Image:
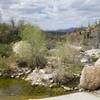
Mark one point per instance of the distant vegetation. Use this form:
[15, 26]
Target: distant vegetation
[38, 50]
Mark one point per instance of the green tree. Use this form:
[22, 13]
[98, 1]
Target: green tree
[35, 37]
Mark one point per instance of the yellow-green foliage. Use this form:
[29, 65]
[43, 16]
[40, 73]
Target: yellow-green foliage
[67, 60]
[65, 52]
[36, 39]
[3, 64]
[5, 50]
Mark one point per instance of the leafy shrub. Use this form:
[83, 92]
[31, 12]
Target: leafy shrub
[66, 53]
[23, 51]
[66, 61]
[3, 64]
[10, 32]
[5, 50]
[36, 52]
[62, 75]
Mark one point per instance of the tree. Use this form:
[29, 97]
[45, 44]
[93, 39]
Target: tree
[36, 39]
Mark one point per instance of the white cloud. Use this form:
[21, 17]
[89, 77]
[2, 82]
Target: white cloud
[51, 14]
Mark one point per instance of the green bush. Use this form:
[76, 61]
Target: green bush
[10, 32]
[75, 68]
[5, 50]
[65, 53]
[37, 41]
[67, 61]
[3, 64]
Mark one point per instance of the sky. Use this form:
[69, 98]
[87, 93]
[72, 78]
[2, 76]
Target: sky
[51, 14]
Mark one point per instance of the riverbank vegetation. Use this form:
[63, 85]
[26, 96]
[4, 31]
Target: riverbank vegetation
[35, 48]
[34, 45]
[26, 49]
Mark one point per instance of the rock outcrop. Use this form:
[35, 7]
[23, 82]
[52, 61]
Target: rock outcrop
[90, 78]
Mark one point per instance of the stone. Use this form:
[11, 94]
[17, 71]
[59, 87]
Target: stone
[66, 88]
[90, 78]
[28, 71]
[0, 73]
[12, 76]
[17, 76]
[81, 90]
[76, 88]
[93, 53]
[84, 60]
[52, 85]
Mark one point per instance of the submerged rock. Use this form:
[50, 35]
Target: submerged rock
[90, 78]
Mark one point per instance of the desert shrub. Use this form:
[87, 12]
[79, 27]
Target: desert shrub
[66, 53]
[75, 68]
[62, 75]
[23, 52]
[35, 51]
[3, 64]
[5, 50]
[66, 61]
[10, 32]
[51, 44]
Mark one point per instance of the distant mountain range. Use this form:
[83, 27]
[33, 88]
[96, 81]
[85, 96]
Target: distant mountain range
[61, 32]
[69, 30]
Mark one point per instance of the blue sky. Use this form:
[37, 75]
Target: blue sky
[51, 14]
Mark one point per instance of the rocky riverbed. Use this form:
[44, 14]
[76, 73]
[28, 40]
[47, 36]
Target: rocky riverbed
[50, 81]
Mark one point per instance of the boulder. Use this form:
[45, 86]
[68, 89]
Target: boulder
[90, 78]
[93, 53]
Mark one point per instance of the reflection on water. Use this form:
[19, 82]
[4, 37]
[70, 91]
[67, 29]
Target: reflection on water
[17, 89]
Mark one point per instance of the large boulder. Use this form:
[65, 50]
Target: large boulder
[90, 78]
